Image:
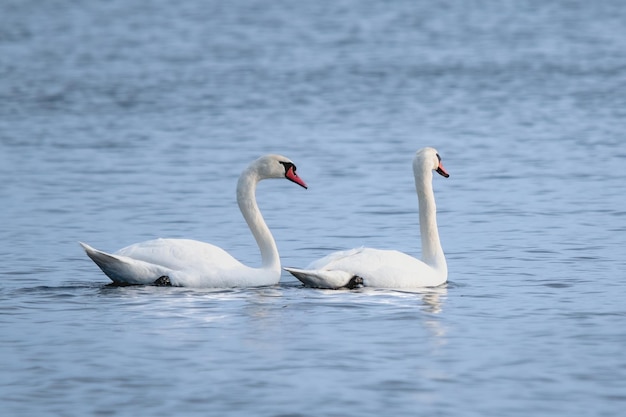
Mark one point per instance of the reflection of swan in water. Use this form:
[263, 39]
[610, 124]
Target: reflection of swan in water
[433, 303]
[433, 300]
[431, 297]
[418, 306]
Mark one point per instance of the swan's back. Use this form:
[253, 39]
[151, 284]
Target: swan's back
[180, 254]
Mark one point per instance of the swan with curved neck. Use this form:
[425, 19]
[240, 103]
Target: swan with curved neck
[389, 268]
[190, 263]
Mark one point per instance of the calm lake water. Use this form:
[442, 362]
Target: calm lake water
[122, 121]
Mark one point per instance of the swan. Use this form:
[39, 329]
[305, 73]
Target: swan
[389, 268]
[190, 263]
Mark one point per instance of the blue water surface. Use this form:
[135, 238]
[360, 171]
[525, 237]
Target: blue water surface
[123, 121]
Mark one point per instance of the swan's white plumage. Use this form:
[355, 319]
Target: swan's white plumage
[190, 263]
[377, 267]
[390, 268]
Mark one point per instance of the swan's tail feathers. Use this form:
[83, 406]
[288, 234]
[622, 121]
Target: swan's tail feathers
[124, 270]
[114, 267]
[325, 279]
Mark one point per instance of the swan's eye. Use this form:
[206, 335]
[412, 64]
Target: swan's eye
[438, 157]
[288, 166]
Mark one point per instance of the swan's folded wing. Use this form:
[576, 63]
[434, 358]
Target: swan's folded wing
[180, 254]
[329, 261]
[321, 278]
[124, 270]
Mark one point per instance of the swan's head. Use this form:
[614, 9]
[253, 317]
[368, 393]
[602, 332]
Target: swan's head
[429, 158]
[277, 166]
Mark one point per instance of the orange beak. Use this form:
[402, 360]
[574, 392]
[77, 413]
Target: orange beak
[292, 176]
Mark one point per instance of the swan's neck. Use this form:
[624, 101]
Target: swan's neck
[432, 253]
[246, 198]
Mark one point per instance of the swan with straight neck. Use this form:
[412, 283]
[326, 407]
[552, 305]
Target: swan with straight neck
[390, 268]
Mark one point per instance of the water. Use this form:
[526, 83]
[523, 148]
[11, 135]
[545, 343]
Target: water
[122, 121]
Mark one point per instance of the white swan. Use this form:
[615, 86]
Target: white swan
[390, 268]
[189, 263]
